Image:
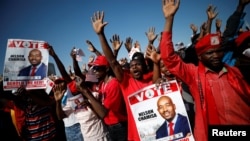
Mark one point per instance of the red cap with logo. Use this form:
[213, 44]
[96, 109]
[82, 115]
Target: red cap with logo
[207, 42]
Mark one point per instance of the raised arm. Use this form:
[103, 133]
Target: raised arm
[211, 14]
[76, 67]
[151, 38]
[169, 9]
[70, 70]
[116, 44]
[98, 26]
[92, 48]
[234, 21]
[98, 108]
[60, 65]
[59, 90]
[137, 46]
[218, 23]
[194, 29]
[203, 30]
[84, 68]
[172, 61]
[168, 55]
[128, 44]
[155, 58]
[151, 35]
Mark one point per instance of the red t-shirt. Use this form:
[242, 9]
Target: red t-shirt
[112, 99]
[129, 85]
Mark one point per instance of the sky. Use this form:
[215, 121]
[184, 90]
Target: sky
[66, 24]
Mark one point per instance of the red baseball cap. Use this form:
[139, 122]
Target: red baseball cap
[207, 42]
[100, 61]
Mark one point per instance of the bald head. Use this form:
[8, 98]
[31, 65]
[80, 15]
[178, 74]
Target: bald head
[166, 107]
[35, 57]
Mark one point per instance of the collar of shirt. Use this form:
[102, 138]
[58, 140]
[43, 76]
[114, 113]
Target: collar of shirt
[223, 70]
[174, 119]
[38, 66]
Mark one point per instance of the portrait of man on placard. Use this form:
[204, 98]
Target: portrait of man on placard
[36, 67]
[175, 123]
[26, 63]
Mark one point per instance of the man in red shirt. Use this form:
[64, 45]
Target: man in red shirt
[220, 92]
[112, 99]
[130, 81]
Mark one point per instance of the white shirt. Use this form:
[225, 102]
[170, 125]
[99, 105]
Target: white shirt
[68, 110]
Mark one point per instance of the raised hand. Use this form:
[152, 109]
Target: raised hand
[116, 43]
[203, 29]
[91, 47]
[152, 54]
[160, 81]
[151, 35]
[91, 58]
[194, 28]
[80, 84]
[123, 61]
[211, 12]
[137, 45]
[170, 7]
[59, 90]
[218, 23]
[97, 22]
[128, 44]
[20, 91]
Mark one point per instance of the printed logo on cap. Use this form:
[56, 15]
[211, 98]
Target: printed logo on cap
[214, 40]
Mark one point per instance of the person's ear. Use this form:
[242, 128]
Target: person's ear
[174, 106]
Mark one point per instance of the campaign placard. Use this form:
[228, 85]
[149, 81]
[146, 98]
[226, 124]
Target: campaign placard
[151, 114]
[26, 63]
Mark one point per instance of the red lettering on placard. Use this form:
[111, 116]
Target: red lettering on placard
[29, 82]
[15, 83]
[27, 44]
[153, 92]
[184, 139]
